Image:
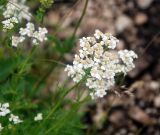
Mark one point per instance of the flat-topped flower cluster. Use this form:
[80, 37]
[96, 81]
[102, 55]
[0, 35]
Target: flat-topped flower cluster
[14, 13]
[99, 60]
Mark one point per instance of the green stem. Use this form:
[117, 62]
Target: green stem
[60, 101]
[74, 108]
[73, 35]
[26, 61]
[81, 18]
[53, 61]
[63, 96]
[45, 76]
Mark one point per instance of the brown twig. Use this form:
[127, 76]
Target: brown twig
[150, 43]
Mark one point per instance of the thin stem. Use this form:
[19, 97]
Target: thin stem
[53, 61]
[73, 109]
[140, 130]
[26, 61]
[148, 45]
[80, 19]
[45, 76]
[75, 30]
[68, 13]
[60, 101]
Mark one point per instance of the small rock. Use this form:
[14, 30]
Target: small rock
[121, 45]
[123, 131]
[130, 133]
[144, 3]
[116, 117]
[157, 101]
[108, 14]
[52, 18]
[154, 85]
[139, 115]
[142, 103]
[141, 18]
[122, 23]
[151, 110]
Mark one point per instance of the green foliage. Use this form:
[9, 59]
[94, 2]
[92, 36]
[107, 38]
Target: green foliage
[63, 118]
[21, 73]
[16, 90]
[41, 11]
[62, 47]
[17, 86]
[119, 79]
[3, 2]
[40, 14]
[8, 66]
[47, 3]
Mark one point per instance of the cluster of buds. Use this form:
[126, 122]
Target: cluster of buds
[100, 62]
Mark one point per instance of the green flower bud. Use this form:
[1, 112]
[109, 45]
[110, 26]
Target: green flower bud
[47, 3]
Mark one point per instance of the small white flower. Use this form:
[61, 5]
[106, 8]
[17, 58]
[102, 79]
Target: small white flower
[127, 57]
[4, 109]
[100, 93]
[98, 34]
[28, 31]
[17, 40]
[15, 119]
[35, 42]
[9, 23]
[38, 117]
[113, 42]
[1, 128]
[40, 34]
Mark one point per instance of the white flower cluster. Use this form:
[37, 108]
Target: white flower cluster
[15, 119]
[38, 117]
[15, 11]
[18, 9]
[100, 62]
[4, 109]
[37, 36]
[9, 23]
[17, 40]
